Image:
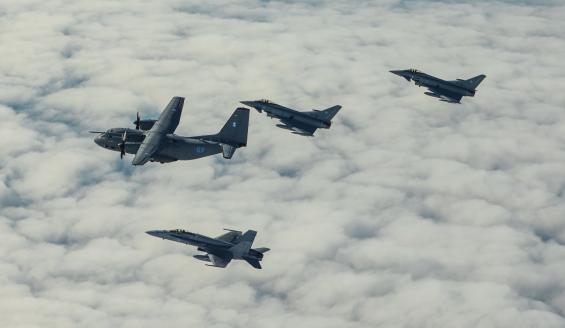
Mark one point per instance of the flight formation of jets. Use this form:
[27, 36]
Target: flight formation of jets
[155, 141]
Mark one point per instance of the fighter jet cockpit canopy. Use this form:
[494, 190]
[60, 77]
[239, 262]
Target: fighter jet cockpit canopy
[266, 101]
[413, 70]
[177, 231]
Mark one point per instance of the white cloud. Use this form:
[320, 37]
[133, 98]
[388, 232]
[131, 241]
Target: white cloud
[409, 212]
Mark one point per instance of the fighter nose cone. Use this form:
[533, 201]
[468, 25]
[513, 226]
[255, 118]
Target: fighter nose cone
[249, 103]
[154, 233]
[405, 74]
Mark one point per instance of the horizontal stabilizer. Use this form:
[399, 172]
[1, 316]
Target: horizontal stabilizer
[228, 151]
[262, 249]
[253, 262]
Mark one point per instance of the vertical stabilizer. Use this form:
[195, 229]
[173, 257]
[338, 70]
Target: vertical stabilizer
[244, 244]
[474, 82]
[234, 131]
[327, 114]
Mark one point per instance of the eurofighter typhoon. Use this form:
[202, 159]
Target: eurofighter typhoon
[301, 123]
[220, 250]
[448, 91]
[155, 141]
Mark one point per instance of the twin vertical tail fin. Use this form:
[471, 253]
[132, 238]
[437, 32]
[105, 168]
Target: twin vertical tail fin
[243, 249]
[244, 244]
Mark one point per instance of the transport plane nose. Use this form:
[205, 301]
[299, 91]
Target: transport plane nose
[99, 140]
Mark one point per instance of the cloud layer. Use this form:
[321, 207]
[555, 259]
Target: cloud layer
[409, 212]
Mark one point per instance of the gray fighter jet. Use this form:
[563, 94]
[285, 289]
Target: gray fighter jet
[154, 140]
[301, 123]
[448, 91]
[220, 250]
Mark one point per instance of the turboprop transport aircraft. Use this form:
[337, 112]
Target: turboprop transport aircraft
[155, 141]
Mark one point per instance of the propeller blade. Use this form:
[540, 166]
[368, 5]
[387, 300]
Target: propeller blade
[99, 132]
[122, 145]
[137, 121]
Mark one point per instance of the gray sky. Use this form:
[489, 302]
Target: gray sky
[409, 212]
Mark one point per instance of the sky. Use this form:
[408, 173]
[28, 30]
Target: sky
[408, 212]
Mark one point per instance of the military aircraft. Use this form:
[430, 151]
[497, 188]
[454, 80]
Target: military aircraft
[154, 140]
[448, 91]
[301, 123]
[220, 250]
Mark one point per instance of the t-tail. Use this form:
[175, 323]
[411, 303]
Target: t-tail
[327, 114]
[234, 133]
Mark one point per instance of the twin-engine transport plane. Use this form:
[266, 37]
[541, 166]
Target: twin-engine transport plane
[302, 123]
[154, 140]
[448, 91]
[220, 250]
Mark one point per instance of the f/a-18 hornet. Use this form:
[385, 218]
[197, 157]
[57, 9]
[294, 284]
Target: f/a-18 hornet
[301, 123]
[154, 140]
[448, 91]
[220, 250]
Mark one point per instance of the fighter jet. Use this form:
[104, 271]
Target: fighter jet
[448, 91]
[220, 250]
[154, 140]
[301, 123]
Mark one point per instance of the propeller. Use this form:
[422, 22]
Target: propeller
[99, 132]
[137, 121]
[122, 145]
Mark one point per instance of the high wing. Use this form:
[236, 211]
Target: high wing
[230, 237]
[166, 124]
[301, 128]
[170, 117]
[218, 261]
[454, 97]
